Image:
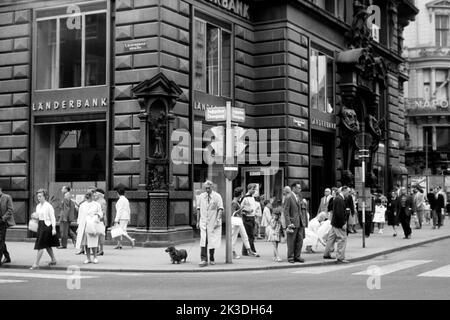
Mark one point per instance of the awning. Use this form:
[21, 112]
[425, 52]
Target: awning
[399, 170]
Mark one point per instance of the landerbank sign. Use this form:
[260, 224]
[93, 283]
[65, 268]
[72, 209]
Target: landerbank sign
[235, 6]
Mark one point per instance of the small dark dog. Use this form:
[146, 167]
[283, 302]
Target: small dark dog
[177, 255]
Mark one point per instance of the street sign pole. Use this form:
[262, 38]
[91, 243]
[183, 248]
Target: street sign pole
[229, 138]
[363, 180]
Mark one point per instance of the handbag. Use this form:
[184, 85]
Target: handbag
[116, 231]
[33, 225]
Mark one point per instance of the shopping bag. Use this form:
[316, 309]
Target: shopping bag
[33, 225]
[91, 226]
[116, 231]
[100, 228]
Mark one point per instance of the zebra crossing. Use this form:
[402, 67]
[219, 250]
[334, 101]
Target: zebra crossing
[379, 268]
[23, 277]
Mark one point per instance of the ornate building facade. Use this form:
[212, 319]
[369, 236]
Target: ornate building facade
[114, 93]
[427, 50]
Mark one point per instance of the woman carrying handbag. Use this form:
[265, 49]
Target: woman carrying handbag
[46, 233]
[89, 215]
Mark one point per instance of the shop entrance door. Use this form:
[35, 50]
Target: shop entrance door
[270, 184]
[322, 167]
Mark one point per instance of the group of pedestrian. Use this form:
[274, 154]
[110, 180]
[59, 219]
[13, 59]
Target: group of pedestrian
[90, 216]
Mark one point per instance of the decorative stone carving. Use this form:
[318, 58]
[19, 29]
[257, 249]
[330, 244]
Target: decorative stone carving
[359, 35]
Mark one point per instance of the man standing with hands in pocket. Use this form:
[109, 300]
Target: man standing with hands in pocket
[209, 221]
[296, 221]
[6, 221]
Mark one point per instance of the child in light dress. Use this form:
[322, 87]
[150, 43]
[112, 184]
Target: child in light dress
[275, 232]
[379, 217]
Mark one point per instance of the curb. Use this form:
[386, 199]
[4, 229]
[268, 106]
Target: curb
[276, 267]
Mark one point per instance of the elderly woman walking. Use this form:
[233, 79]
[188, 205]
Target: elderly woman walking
[89, 215]
[46, 234]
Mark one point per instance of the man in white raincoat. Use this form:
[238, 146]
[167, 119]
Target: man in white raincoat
[209, 221]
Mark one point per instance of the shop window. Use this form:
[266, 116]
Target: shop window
[212, 59]
[442, 30]
[443, 138]
[335, 7]
[322, 82]
[71, 50]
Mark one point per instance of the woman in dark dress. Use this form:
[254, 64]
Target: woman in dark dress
[46, 234]
[391, 212]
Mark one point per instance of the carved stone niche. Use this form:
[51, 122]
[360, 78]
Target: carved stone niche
[157, 97]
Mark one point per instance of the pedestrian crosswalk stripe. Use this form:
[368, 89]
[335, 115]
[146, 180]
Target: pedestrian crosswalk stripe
[11, 281]
[394, 267]
[443, 272]
[44, 275]
[330, 268]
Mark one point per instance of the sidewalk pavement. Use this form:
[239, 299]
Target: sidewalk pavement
[140, 259]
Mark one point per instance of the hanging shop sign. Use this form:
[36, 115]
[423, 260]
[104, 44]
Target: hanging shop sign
[237, 7]
[71, 101]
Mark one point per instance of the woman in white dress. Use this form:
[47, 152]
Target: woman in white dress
[311, 233]
[89, 229]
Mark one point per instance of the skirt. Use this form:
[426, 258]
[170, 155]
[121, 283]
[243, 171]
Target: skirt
[45, 239]
[392, 219]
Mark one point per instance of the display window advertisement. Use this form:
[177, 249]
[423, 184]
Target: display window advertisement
[70, 98]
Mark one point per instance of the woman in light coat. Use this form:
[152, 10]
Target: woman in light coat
[46, 234]
[89, 215]
[123, 216]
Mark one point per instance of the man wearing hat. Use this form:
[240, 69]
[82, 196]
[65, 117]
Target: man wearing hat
[6, 221]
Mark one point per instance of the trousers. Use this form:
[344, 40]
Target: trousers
[339, 236]
[437, 218]
[66, 232]
[294, 243]
[3, 249]
[249, 225]
[204, 253]
[405, 221]
[237, 227]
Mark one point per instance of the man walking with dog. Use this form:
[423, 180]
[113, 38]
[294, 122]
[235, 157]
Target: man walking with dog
[209, 221]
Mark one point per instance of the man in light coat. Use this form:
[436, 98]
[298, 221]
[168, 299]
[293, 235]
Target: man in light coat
[6, 221]
[323, 206]
[419, 205]
[209, 221]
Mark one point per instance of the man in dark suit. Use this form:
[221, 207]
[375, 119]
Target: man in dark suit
[439, 207]
[67, 215]
[6, 221]
[296, 222]
[338, 232]
[405, 206]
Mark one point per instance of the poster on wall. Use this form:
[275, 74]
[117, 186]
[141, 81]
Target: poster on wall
[419, 180]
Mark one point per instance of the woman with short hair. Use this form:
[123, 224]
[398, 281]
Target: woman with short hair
[46, 234]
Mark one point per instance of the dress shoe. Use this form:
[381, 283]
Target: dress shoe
[79, 252]
[212, 263]
[235, 255]
[100, 253]
[61, 247]
[291, 261]
[328, 257]
[342, 261]
[52, 263]
[252, 253]
[300, 260]
[5, 260]
[203, 264]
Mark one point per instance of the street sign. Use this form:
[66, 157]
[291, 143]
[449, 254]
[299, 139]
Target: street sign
[238, 115]
[216, 114]
[230, 171]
